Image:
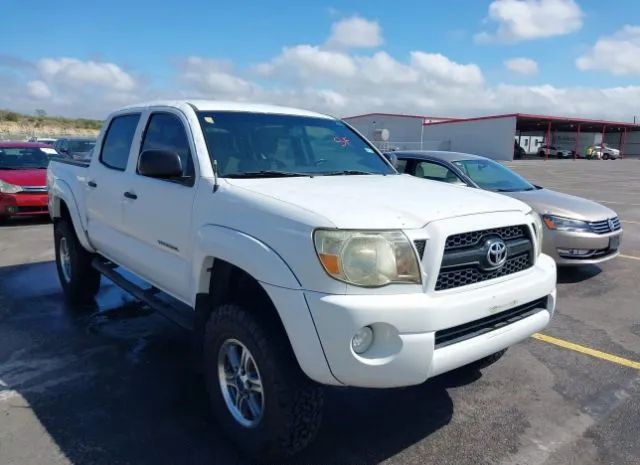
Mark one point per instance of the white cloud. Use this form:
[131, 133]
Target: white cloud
[442, 69]
[309, 62]
[520, 20]
[38, 90]
[355, 32]
[214, 78]
[73, 72]
[525, 66]
[618, 54]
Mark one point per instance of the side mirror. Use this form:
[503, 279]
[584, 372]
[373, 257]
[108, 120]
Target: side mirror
[392, 158]
[159, 164]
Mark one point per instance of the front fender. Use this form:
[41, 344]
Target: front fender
[61, 191]
[242, 250]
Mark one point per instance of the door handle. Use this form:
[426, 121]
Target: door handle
[130, 195]
[92, 184]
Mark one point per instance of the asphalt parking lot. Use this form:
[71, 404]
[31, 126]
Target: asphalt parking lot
[114, 384]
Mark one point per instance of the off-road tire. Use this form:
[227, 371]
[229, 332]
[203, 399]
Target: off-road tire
[292, 402]
[84, 280]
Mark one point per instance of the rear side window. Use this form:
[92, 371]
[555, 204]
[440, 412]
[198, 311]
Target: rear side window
[117, 141]
[166, 132]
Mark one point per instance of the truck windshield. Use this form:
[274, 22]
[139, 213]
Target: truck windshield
[24, 158]
[492, 176]
[269, 145]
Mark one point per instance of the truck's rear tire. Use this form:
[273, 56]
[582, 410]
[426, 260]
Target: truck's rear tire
[80, 281]
[265, 404]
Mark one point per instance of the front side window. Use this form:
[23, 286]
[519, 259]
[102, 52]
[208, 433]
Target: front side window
[166, 132]
[254, 144]
[493, 176]
[436, 172]
[117, 141]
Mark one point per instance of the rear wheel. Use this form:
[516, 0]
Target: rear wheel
[80, 281]
[258, 393]
[605, 156]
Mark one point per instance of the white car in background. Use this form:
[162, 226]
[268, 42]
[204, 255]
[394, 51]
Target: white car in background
[554, 152]
[605, 152]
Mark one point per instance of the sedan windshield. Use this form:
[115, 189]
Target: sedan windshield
[493, 176]
[81, 145]
[24, 158]
[257, 145]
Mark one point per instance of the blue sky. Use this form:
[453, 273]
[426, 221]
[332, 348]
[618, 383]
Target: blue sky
[430, 57]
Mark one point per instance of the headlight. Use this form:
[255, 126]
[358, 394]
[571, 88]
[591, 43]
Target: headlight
[565, 224]
[367, 258]
[537, 223]
[7, 188]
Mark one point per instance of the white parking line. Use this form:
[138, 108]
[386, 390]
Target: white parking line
[629, 221]
[630, 257]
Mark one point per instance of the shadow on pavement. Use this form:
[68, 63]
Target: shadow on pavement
[115, 384]
[577, 274]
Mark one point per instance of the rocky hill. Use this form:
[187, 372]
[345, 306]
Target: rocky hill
[17, 126]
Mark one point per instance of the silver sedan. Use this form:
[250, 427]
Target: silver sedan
[577, 231]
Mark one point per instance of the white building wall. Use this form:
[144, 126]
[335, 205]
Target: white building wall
[405, 132]
[491, 137]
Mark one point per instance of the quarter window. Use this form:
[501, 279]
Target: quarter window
[117, 141]
[166, 132]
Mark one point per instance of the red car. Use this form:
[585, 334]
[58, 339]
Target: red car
[23, 178]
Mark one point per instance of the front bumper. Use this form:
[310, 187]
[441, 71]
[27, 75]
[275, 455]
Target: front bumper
[23, 204]
[403, 352]
[554, 240]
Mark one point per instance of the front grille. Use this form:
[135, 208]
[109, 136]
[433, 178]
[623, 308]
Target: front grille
[475, 328]
[34, 190]
[420, 245]
[33, 209]
[603, 227]
[472, 238]
[462, 262]
[465, 276]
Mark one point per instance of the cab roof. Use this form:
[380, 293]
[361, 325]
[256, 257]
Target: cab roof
[218, 105]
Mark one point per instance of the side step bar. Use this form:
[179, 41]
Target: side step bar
[183, 317]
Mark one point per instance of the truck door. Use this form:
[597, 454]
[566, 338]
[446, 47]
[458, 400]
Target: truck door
[159, 214]
[105, 187]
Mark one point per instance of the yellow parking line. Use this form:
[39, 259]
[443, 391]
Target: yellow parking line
[587, 351]
[630, 257]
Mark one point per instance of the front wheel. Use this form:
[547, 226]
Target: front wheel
[258, 393]
[80, 281]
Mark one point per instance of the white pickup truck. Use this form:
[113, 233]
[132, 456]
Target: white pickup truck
[299, 256]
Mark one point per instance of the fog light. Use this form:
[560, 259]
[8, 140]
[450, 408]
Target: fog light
[577, 252]
[12, 209]
[362, 340]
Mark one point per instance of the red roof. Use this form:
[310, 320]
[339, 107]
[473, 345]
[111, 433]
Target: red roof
[545, 118]
[20, 144]
[398, 114]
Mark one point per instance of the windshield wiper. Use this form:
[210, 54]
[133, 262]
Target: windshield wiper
[267, 174]
[346, 173]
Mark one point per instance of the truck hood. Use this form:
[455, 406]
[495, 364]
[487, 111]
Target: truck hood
[27, 177]
[379, 202]
[546, 201]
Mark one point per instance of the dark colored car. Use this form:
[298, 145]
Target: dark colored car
[76, 148]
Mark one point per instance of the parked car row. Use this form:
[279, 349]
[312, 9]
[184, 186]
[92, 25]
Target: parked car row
[599, 151]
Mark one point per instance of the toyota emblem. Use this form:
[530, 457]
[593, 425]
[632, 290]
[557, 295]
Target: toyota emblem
[496, 253]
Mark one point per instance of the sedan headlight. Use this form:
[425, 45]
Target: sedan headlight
[6, 188]
[367, 258]
[559, 223]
